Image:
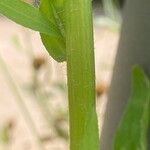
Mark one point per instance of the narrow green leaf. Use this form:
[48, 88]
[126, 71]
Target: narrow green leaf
[59, 6]
[132, 132]
[53, 10]
[28, 16]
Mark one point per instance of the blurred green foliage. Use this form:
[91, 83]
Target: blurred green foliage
[133, 129]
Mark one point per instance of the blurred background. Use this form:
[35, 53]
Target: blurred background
[33, 90]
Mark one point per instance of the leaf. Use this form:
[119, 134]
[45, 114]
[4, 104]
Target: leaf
[28, 16]
[132, 131]
[53, 10]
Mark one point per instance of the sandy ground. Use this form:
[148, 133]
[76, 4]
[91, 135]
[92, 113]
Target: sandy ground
[19, 47]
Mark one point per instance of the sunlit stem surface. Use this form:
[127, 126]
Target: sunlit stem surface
[81, 75]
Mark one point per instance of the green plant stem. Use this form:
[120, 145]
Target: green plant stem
[21, 104]
[81, 75]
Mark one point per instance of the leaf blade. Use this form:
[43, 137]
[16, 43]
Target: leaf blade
[54, 45]
[132, 131]
[28, 16]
